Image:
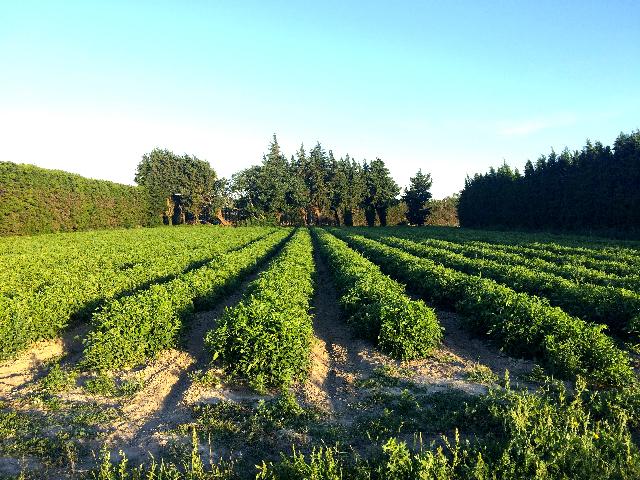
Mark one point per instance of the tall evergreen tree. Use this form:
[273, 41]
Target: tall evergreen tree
[356, 189]
[316, 178]
[417, 198]
[595, 188]
[380, 192]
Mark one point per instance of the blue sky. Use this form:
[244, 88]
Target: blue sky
[450, 87]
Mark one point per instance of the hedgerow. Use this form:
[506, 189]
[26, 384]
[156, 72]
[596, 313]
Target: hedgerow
[377, 306]
[36, 200]
[127, 331]
[522, 324]
[266, 337]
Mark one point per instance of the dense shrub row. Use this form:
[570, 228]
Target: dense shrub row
[127, 331]
[618, 308]
[48, 282]
[37, 200]
[522, 324]
[377, 306]
[266, 338]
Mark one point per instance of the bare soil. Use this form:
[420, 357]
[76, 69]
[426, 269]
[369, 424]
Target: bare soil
[17, 375]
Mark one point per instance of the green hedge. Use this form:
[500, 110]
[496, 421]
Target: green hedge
[36, 200]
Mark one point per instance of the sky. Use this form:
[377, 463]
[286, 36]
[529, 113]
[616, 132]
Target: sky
[449, 87]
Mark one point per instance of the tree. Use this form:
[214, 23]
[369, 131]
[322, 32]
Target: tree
[443, 212]
[380, 191]
[347, 189]
[274, 181]
[316, 180]
[179, 186]
[594, 188]
[354, 190]
[417, 197]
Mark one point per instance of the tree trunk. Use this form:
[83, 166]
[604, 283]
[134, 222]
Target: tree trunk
[348, 217]
[220, 218]
[169, 211]
[370, 215]
[382, 215]
[336, 217]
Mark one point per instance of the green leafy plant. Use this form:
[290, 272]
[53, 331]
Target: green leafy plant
[266, 338]
[377, 306]
[522, 324]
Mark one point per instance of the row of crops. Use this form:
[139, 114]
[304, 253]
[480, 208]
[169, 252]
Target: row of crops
[570, 307]
[52, 282]
[139, 289]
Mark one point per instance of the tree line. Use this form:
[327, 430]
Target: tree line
[597, 187]
[314, 188]
[308, 188]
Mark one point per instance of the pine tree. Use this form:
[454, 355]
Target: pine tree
[417, 197]
[380, 192]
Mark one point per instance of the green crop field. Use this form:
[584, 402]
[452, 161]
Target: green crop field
[209, 352]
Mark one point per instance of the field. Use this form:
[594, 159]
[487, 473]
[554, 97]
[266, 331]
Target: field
[318, 353]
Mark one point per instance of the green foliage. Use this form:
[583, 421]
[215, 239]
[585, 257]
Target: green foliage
[129, 330]
[192, 468]
[49, 282]
[482, 374]
[36, 200]
[165, 174]
[105, 385]
[313, 188]
[242, 423]
[270, 189]
[594, 188]
[266, 338]
[611, 257]
[54, 437]
[602, 304]
[522, 324]
[571, 267]
[322, 464]
[417, 197]
[57, 379]
[547, 434]
[377, 306]
[380, 191]
[443, 212]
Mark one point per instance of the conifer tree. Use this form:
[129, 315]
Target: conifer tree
[417, 198]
